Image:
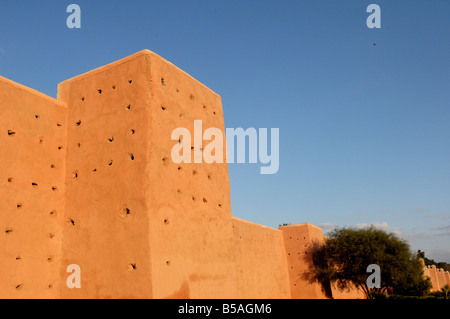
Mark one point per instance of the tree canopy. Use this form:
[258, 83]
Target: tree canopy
[347, 252]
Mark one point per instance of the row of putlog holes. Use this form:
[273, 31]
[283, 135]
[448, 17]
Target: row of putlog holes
[125, 212]
[12, 133]
[191, 98]
[165, 161]
[164, 108]
[110, 139]
[10, 231]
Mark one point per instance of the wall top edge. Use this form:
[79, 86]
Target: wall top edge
[32, 91]
[129, 58]
[233, 218]
[301, 225]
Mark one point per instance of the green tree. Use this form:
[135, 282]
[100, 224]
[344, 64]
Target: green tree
[348, 252]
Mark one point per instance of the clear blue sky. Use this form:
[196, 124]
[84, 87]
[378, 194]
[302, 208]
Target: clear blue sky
[364, 129]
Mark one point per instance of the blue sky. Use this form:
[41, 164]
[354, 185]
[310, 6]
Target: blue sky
[364, 129]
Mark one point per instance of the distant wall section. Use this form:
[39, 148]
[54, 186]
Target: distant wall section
[261, 265]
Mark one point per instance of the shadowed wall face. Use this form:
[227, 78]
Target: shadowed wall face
[190, 212]
[32, 157]
[351, 292]
[298, 240]
[261, 265]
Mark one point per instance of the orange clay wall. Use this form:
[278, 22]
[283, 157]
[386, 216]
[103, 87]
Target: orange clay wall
[426, 269]
[106, 222]
[88, 179]
[441, 277]
[131, 213]
[190, 216]
[434, 278]
[438, 276]
[32, 159]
